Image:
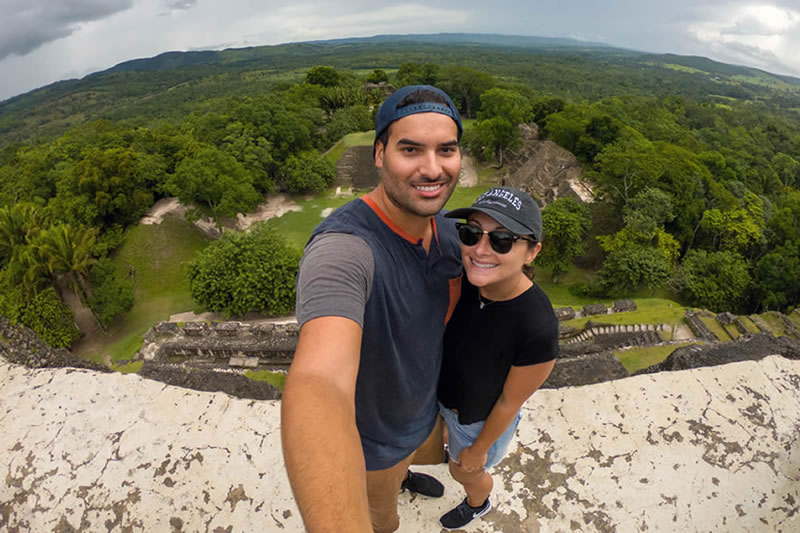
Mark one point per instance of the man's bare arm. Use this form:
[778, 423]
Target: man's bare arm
[321, 446]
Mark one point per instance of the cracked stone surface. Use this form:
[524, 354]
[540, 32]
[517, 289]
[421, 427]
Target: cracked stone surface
[709, 449]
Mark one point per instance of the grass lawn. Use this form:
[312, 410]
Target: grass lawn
[276, 379]
[464, 196]
[732, 331]
[296, 226]
[749, 325]
[774, 322]
[716, 329]
[160, 255]
[559, 292]
[634, 359]
[650, 311]
[361, 138]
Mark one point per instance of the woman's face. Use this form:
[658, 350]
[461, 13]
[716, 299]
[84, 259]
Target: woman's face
[485, 267]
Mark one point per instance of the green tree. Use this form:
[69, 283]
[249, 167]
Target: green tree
[626, 167]
[17, 225]
[642, 253]
[718, 281]
[630, 267]
[307, 172]
[323, 75]
[787, 169]
[50, 319]
[417, 74]
[497, 129]
[215, 183]
[349, 120]
[600, 131]
[776, 278]
[465, 86]
[545, 106]
[244, 272]
[111, 296]
[737, 228]
[252, 151]
[334, 98]
[565, 222]
[377, 76]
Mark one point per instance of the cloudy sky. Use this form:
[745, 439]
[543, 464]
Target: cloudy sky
[42, 41]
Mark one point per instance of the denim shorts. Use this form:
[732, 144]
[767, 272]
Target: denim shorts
[460, 436]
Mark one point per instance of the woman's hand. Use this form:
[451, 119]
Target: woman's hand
[472, 460]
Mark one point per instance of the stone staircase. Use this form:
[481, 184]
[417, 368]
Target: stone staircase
[624, 335]
[356, 169]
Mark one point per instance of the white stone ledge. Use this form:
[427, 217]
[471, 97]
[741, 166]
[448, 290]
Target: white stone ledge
[712, 449]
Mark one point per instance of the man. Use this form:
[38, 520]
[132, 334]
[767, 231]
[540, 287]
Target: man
[377, 283]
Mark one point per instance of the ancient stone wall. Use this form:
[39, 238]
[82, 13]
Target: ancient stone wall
[222, 344]
[545, 170]
[356, 168]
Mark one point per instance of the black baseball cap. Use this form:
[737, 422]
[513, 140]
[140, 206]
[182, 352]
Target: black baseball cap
[513, 209]
[389, 112]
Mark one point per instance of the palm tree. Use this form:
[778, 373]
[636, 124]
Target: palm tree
[27, 269]
[17, 225]
[68, 252]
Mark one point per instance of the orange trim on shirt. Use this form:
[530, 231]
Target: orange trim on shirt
[388, 221]
[435, 231]
[455, 296]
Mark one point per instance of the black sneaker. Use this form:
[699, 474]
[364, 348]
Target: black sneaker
[423, 484]
[463, 514]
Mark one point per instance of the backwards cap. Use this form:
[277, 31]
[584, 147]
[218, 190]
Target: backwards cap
[389, 112]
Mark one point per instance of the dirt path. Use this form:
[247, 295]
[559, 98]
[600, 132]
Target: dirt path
[468, 176]
[276, 205]
[83, 316]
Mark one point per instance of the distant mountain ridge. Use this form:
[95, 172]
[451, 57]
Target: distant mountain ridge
[172, 84]
[174, 59]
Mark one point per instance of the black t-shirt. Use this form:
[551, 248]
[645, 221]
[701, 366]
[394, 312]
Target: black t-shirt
[481, 345]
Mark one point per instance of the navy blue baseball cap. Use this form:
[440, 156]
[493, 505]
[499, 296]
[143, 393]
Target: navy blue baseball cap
[389, 112]
[513, 209]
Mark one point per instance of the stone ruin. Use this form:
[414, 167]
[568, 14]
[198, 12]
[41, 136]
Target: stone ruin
[544, 169]
[264, 344]
[356, 169]
[214, 356]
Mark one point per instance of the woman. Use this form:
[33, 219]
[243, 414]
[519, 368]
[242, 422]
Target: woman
[500, 344]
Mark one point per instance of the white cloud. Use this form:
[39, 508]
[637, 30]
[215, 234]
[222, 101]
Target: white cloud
[764, 36]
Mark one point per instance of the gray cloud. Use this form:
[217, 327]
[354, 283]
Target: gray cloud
[745, 54]
[181, 4]
[28, 24]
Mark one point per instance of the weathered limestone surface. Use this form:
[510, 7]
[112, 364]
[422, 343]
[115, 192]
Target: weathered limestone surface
[710, 449]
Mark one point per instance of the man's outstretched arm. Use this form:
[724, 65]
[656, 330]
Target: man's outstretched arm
[321, 446]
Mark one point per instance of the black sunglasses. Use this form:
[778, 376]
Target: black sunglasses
[500, 240]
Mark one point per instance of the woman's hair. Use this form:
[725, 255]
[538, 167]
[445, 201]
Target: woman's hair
[528, 269]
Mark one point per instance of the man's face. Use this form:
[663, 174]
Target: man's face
[420, 163]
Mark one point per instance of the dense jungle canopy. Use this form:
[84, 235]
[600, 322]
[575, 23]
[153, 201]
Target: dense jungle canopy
[696, 164]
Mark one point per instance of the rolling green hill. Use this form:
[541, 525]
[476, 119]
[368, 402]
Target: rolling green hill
[172, 84]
